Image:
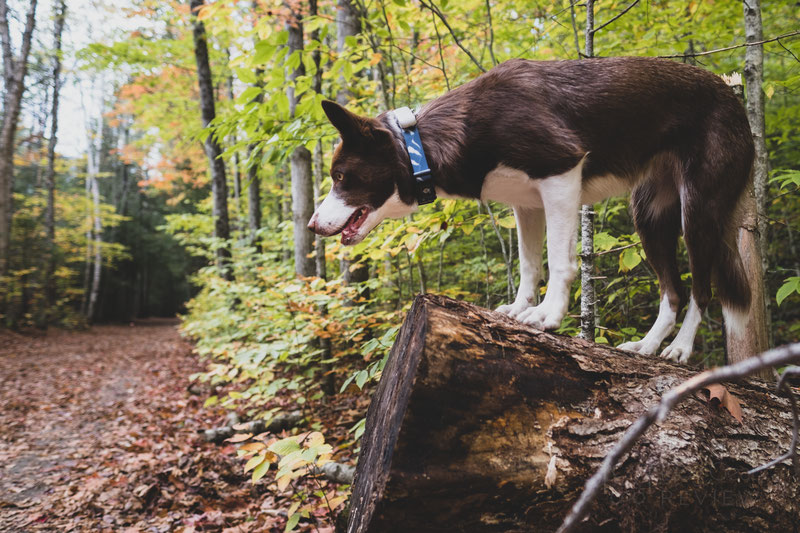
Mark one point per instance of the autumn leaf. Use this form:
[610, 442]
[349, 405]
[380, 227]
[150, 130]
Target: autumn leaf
[718, 396]
[239, 437]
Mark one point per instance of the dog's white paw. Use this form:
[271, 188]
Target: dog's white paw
[541, 317]
[641, 347]
[677, 351]
[513, 310]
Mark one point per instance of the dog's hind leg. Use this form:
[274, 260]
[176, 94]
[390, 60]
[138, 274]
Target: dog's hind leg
[657, 215]
[561, 197]
[530, 234]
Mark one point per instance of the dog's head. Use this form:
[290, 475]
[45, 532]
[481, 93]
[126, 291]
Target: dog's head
[371, 178]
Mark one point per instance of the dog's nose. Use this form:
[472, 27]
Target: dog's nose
[312, 224]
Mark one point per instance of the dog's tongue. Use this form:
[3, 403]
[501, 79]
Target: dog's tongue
[353, 224]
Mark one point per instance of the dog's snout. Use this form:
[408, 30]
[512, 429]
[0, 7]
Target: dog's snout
[312, 224]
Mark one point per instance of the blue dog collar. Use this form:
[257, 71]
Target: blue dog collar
[424, 189]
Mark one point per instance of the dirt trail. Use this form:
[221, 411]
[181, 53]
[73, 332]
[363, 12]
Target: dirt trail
[98, 433]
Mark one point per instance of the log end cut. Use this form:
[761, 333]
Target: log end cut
[481, 423]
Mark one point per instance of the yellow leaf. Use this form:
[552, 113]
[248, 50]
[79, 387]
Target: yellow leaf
[375, 59]
[253, 446]
[239, 437]
[254, 462]
[283, 482]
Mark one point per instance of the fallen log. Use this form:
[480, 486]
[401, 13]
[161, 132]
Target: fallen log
[276, 424]
[481, 423]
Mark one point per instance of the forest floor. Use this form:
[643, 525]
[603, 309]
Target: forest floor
[100, 433]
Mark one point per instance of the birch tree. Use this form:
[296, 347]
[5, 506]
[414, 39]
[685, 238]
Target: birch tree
[587, 219]
[14, 71]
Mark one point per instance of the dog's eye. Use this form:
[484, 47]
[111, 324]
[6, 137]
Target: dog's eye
[338, 176]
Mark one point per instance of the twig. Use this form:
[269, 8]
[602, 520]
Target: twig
[491, 32]
[619, 249]
[435, 10]
[792, 453]
[790, 52]
[776, 357]
[618, 15]
[698, 54]
[506, 258]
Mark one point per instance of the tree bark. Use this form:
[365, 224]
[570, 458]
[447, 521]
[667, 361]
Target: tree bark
[93, 163]
[750, 236]
[348, 24]
[302, 186]
[50, 177]
[14, 71]
[219, 187]
[318, 164]
[588, 298]
[481, 423]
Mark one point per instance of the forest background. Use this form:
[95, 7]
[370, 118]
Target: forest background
[115, 211]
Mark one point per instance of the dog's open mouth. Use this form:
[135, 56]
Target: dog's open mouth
[353, 224]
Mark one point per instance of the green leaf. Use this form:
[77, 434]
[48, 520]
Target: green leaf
[284, 447]
[629, 259]
[791, 285]
[260, 471]
[292, 522]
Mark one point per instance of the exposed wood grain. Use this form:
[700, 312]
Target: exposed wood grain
[473, 406]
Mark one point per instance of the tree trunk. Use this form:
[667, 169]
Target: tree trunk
[14, 71]
[219, 187]
[50, 178]
[587, 220]
[253, 179]
[237, 178]
[93, 162]
[318, 164]
[750, 238]
[302, 186]
[348, 24]
[481, 423]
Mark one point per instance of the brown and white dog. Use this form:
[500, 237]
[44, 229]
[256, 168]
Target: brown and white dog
[546, 137]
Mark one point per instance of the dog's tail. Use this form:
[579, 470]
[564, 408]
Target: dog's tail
[733, 288]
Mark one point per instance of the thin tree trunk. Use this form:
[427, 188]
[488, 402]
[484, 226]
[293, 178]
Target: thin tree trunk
[348, 24]
[98, 241]
[756, 339]
[237, 178]
[50, 178]
[302, 186]
[253, 179]
[587, 221]
[14, 71]
[319, 242]
[219, 187]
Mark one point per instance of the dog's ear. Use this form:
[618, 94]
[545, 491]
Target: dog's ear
[352, 128]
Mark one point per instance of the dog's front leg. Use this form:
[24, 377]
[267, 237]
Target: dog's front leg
[530, 235]
[561, 198]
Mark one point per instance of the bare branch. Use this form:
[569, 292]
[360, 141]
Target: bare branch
[436, 11]
[776, 357]
[27, 35]
[5, 37]
[491, 32]
[618, 15]
[716, 51]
